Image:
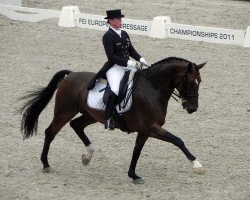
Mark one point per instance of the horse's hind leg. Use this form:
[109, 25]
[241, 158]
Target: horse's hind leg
[78, 125]
[50, 133]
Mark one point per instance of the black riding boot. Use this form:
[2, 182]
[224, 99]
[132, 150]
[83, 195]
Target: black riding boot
[110, 106]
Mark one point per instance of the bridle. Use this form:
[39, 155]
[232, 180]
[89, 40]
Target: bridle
[183, 93]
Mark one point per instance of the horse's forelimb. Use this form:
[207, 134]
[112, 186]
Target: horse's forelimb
[161, 134]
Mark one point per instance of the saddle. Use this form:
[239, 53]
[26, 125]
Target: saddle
[122, 90]
[98, 96]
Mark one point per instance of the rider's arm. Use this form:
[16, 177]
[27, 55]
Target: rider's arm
[132, 52]
[109, 49]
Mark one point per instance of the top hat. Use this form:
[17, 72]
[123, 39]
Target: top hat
[114, 14]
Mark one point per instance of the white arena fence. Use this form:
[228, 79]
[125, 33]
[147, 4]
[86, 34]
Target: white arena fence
[12, 2]
[159, 27]
[28, 14]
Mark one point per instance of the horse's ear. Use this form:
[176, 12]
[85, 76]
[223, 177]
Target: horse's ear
[201, 65]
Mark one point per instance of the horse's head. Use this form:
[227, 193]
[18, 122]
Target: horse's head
[187, 84]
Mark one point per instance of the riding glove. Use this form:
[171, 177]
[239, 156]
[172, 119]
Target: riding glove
[131, 63]
[142, 60]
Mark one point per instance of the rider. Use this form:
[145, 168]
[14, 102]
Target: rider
[118, 48]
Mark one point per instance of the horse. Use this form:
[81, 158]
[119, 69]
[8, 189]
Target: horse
[154, 87]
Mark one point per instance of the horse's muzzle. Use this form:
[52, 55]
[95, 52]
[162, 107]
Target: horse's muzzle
[190, 109]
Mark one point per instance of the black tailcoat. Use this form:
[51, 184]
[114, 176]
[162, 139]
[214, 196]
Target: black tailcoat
[118, 49]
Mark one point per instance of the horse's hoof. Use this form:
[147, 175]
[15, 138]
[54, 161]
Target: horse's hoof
[199, 170]
[85, 159]
[138, 181]
[47, 170]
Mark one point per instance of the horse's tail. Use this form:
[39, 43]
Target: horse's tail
[37, 101]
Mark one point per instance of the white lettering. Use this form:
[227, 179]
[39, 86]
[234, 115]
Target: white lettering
[135, 27]
[193, 33]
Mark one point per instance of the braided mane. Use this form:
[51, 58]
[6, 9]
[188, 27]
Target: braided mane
[170, 59]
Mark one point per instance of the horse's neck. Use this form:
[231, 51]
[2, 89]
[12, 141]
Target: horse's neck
[164, 75]
[155, 88]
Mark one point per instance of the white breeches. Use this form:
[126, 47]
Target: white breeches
[114, 76]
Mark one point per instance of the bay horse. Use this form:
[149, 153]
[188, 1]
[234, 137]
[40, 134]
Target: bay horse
[146, 116]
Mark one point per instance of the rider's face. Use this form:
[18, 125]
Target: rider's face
[116, 23]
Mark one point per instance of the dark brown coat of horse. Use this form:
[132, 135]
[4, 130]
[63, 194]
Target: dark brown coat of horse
[146, 116]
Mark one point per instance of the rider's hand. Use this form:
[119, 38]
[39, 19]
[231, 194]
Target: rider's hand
[142, 60]
[131, 64]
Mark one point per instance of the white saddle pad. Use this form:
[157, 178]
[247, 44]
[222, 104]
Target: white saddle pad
[95, 98]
